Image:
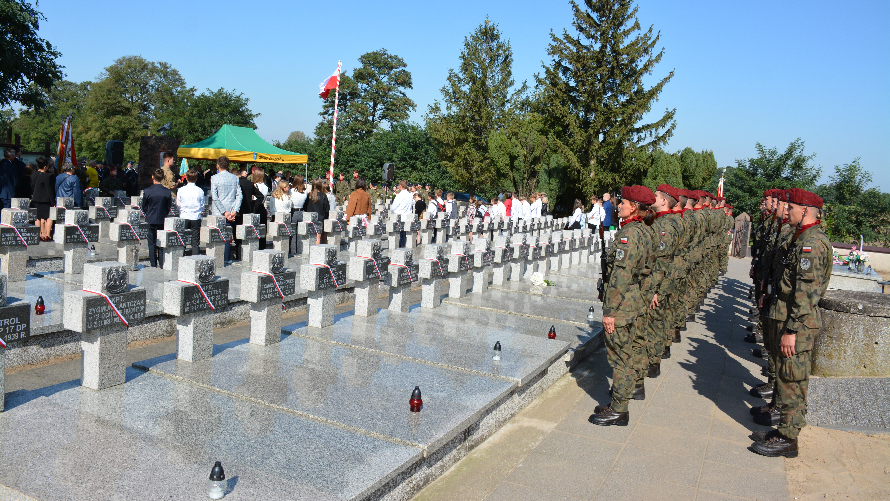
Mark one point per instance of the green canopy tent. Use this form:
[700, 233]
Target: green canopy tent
[240, 144]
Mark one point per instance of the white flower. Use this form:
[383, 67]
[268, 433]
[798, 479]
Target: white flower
[538, 279]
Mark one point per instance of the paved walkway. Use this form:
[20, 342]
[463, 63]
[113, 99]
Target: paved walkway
[687, 440]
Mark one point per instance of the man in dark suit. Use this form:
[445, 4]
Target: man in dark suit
[248, 192]
[131, 180]
[156, 202]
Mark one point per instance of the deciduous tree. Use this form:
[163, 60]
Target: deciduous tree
[28, 66]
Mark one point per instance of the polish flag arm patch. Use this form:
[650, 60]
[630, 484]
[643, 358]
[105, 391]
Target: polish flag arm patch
[807, 249]
[623, 240]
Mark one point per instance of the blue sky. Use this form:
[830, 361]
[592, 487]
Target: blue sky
[745, 72]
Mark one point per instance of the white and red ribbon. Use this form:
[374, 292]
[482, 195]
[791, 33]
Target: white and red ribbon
[81, 232]
[105, 211]
[139, 209]
[202, 292]
[181, 243]
[2, 343]
[221, 237]
[375, 265]
[113, 307]
[441, 273]
[465, 256]
[273, 281]
[332, 271]
[252, 227]
[410, 279]
[134, 233]
[17, 233]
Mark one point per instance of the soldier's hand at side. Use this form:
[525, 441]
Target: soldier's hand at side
[786, 346]
[654, 302]
[609, 324]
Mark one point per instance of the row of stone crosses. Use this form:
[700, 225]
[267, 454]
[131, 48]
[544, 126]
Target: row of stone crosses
[501, 250]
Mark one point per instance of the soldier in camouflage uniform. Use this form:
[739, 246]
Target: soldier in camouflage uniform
[805, 275]
[341, 189]
[665, 233]
[623, 304]
[681, 264]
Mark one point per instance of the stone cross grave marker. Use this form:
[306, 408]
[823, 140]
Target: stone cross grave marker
[356, 230]
[582, 239]
[128, 231]
[25, 205]
[411, 225]
[102, 312]
[307, 229]
[174, 240]
[15, 237]
[250, 232]
[367, 269]
[57, 213]
[532, 255]
[282, 231]
[214, 235]
[193, 299]
[482, 261]
[335, 227]
[426, 231]
[393, 231]
[121, 200]
[557, 247]
[545, 246]
[321, 277]
[265, 288]
[503, 256]
[14, 326]
[404, 273]
[460, 262]
[103, 213]
[76, 235]
[520, 255]
[568, 248]
[433, 270]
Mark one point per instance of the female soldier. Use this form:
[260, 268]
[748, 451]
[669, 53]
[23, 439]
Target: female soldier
[623, 304]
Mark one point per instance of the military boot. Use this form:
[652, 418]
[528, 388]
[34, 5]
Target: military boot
[667, 352]
[771, 418]
[764, 391]
[775, 446]
[756, 337]
[654, 370]
[639, 392]
[763, 409]
[763, 435]
[677, 338]
[760, 353]
[609, 417]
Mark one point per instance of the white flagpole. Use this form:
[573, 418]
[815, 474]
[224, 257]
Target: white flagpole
[334, 134]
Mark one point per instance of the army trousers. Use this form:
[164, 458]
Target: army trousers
[625, 354]
[655, 323]
[792, 381]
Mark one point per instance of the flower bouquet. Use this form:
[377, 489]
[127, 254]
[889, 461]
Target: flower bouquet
[857, 259]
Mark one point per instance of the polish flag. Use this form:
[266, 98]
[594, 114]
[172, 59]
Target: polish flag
[329, 84]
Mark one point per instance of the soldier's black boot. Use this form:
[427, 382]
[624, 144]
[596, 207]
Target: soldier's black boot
[764, 391]
[760, 353]
[763, 408]
[677, 337]
[667, 352]
[776, 445]
[756, 337]
[609, 417]
[771, 418]
[654, 370]
[639, 392]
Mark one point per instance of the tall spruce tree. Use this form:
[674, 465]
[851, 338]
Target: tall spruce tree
[477, 100]
[595, 98]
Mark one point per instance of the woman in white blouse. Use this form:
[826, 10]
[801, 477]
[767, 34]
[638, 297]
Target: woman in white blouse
[297, 199]
[281, 200]
[577, 220]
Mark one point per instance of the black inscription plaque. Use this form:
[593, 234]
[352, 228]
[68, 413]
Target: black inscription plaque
[130, 304]
[15, 322]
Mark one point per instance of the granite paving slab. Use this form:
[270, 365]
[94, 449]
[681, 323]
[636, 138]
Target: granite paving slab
[156, 438]
[590, 271]
[535, 306]
[422, 335]
[350, 387]
[563, 287]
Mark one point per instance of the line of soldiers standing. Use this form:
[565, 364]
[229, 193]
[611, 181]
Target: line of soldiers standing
[671, 247]
[791, 268]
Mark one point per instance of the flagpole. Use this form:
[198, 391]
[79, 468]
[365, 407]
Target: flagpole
[334, 134]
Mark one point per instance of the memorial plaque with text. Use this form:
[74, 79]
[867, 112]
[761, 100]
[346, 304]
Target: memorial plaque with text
[73, 236]
[99, 313]
[173, 240]
[15, 322]
[287, 282]
[216, 235]
[193, 301]
[9, 237]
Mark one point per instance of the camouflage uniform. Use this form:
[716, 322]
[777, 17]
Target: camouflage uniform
[804, 280]
[625, 261]
[665, 235]
[342, 191]
[774, 315]
[697, 226]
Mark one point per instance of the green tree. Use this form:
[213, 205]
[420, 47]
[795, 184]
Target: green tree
[697, 168]
[771, 168]
[852, 209]
[478, 100]
[39, 126]
[196, 117]
[127, 102]
[663, 168]
[6, 119]
[28, 65]
[410, 148]
[523, 153]
[595, 96]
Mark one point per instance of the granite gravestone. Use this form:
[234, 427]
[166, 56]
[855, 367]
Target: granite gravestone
[356, 230]
[57, 213]
[584, 245]
[249, 232]
[102, 312]
[544, 245]
[520, 254]
[15, 237]
[433, 269]
[335, 227]
[557, 245]
[265, 288]
[128, 231]
[25, 205]
[214, 236]
[411, 226]
[307, 229]
[393, 231]
[282, 231]
[532, 255]
[404, 273]
[459, 266]
[575, 246]
[174, 240]
[193, 299]
[102, 213]
[15, 325]
[482, 259]
[367, 269]
[503, 256]
[75, 236]
[321, 276]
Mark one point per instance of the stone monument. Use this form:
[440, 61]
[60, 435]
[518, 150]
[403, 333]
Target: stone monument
[249, 232]
[102, 214]
[15, 237]
[214, 237]
[482, 258]
[15, 325]
[404, 273]
[282, 231]
[174, 240]
[307, 229]
[264, 288]
[75, 236]
[193, 299]
[433, 269]
[128, 231]
[367, 269]
[321, 277]
[459, 267]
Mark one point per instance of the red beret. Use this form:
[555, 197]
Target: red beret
[690, 194]
[803, 197]
[727, 206]
[639, 194]
[767, 193]
[719, 198]
[670, 190]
